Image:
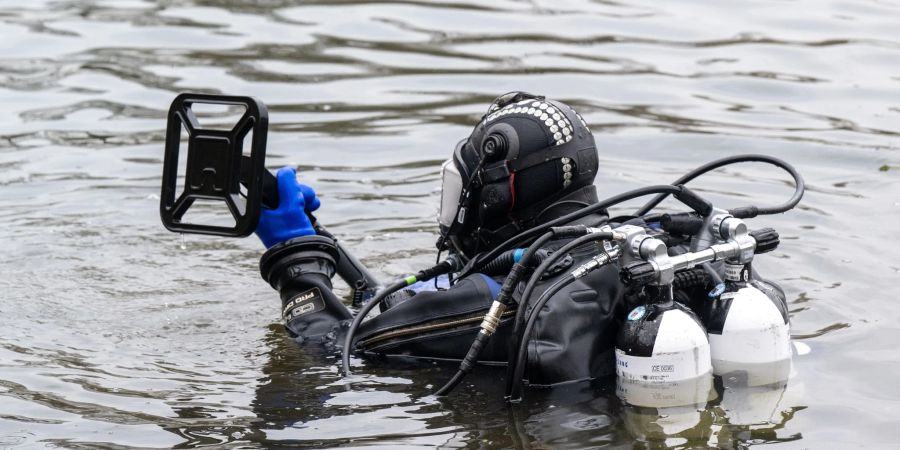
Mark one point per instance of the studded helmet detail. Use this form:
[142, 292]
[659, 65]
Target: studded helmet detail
[525, 154]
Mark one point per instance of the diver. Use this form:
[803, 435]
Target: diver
[529, 162]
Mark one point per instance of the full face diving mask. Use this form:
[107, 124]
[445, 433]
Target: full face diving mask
[451, 192]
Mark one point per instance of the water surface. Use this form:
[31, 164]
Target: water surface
[115, 333]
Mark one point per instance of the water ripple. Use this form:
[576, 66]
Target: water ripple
[118, 334]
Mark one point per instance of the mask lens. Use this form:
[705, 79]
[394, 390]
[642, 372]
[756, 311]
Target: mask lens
[451, 189]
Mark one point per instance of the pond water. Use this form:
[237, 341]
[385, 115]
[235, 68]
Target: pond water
[115, 333]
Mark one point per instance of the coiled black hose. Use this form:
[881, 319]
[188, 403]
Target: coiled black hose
[744, 212]
[502, 263]
[696, 277]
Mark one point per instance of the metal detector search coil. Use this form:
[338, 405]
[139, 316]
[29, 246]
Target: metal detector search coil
[216, 165]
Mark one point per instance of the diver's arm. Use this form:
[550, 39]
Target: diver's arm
[300, 264]
[301, 269]
[353, 272]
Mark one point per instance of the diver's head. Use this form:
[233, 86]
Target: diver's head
[524, 156]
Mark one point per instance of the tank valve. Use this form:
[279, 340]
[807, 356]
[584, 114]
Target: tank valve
[766, 240]
[638, 273]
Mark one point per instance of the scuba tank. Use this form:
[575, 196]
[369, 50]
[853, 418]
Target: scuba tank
[747, 324]
[662, 341]
[746, 320]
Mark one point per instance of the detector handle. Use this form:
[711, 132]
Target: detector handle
[348, 267]
[353, 272]
[269, 197]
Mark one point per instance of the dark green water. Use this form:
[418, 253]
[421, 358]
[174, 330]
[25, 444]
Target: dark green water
[116, 334]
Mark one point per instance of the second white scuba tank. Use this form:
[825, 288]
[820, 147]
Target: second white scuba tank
[746, 325]
[662, 341]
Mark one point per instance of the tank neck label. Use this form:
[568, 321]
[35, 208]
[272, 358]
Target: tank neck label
[737, 272]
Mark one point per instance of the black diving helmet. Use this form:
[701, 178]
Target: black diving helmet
[526, 155]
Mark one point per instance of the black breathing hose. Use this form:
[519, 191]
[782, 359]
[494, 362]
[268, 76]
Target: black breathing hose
[478, 261]
[503, 263]
[526, 294]
[363, 312]
[745, 212]
[471, 358]
[529, 288]
[448, 265]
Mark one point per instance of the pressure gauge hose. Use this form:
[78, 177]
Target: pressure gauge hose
[744, 212]
[449, 265]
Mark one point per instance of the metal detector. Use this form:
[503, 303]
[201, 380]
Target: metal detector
[220, 171]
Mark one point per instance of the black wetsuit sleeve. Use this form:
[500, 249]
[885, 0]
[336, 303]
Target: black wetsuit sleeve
[301, 269]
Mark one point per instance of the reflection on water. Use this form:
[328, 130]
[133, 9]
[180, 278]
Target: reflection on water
[116, 334]
[740, 406]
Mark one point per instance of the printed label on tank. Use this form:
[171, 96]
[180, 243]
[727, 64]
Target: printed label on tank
[663, 368]
[306, 302]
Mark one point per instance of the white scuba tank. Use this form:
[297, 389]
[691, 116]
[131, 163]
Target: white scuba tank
[747, 327]
[662, 342]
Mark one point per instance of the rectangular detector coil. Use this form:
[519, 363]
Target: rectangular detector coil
[216, 165]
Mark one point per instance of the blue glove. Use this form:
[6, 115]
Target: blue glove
[289, 220]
